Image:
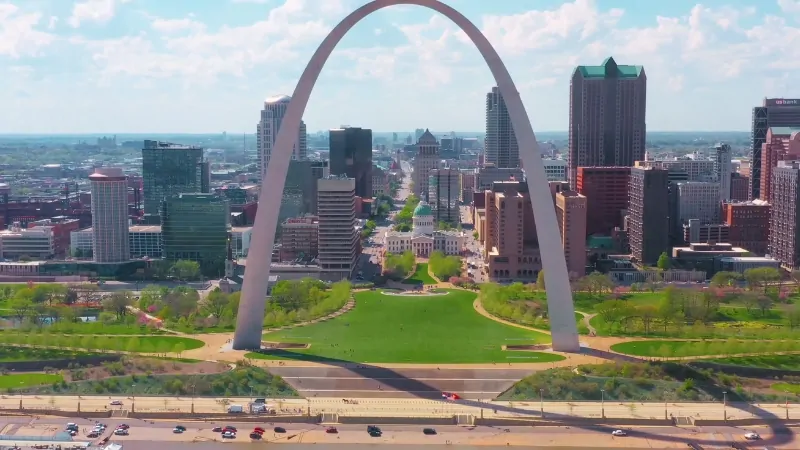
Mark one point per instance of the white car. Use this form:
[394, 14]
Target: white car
[229, 435]
[121, 432]
[116, 403]
[619, 433]
[752, 436]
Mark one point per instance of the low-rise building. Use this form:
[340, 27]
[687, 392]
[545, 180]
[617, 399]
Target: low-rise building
[35, 243]
[145, 241]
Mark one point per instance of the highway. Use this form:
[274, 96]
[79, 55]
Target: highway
[200, 435]
[419, 407]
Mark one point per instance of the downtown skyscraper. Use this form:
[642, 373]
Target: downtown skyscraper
[351, 155]
[606, 117]
[501, 148]
[267, 132]
[774, 112]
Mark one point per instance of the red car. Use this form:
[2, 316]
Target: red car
[331, 430]
[230, 428]
[217, 429]
[259, 430]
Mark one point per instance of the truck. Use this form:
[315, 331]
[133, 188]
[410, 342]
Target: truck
[235, 409]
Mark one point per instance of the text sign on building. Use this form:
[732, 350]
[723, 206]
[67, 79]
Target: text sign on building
[783, 102]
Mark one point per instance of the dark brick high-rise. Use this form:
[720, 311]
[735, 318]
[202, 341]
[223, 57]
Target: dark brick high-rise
[351, 155]
[648, 214]
[606, 116]
[606, 192]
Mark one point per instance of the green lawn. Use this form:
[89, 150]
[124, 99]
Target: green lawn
[790, 388]
[101, 328]
[13, 354]
[410, 329]
[420, 276]
[675, 348]
[780, 362]
[14, 381]
[135, 344]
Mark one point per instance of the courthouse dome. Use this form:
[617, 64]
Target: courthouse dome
[423, 209]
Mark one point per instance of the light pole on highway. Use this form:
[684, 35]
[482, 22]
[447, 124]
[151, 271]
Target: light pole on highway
[665, 404]
[725, 405]
[541, 402]
[603, 403]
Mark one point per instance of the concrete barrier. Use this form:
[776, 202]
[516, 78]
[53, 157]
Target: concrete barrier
[223, 417]
[397, 420]
[55, 412]
[746, 422]
[499, 422]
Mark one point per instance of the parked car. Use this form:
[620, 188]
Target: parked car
[230, 428]
[373, 428]
[255, 435]
[229, 435]
[123, 426]
[217, 429]
[121, 432]
[259, 430]
[116, 403]
[331, 430]
[428, 431]
[619, 433]
[279, 430]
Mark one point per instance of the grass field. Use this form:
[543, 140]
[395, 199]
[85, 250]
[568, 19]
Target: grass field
[101, 328]
[14, 354]
[791, 388]
[780, 362]
[674, 348]
[21, 380]
[134, 344]
[420, 275]
[410, 329]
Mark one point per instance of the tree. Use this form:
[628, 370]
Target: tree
[725, 279]
[25, 258]
[118, 303]
[22, 307]
[151, 295]
[761, 277]
[664, 262]
[764, 304]
[216, 303]
[540, 281]
[647, 313]
[186, 270]
[793, 317]
[181, 301]
[443, 266]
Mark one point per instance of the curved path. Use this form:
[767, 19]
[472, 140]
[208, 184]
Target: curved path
[586, 321]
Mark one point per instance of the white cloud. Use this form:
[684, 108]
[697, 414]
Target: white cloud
[99, 11]
[176, 25]
[18, 34]
[52, 22]
[204, 55]
[789, 6]
[259, 2]
[675, 83]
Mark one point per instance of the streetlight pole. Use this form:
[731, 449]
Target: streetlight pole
[541, 402]
[603, 403]
[725, 405]
[665, 405]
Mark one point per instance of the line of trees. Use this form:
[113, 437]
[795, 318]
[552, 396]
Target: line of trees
[443, 267]
[404, 219]
[399, 266]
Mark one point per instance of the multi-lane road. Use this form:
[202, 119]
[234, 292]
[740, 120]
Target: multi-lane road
[199, 435]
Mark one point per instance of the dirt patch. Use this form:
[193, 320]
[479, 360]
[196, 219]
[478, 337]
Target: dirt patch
[283, 346]
[143, 366]
[527, 348]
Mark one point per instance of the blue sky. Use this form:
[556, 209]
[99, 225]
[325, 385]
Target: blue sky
[206, 65]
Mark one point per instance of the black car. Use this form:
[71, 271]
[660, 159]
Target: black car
[428, 431]
[180, 427]
[255, 436]
[374, 433]
[371, 428]
[279, 430]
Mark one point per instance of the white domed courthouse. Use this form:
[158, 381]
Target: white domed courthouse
[424, 239]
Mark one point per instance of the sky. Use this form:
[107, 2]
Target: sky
[206, 66]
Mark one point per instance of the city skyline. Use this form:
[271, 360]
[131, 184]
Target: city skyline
[138, 65]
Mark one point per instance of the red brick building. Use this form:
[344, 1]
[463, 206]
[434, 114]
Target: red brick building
[749, 225]
[606, 192]
[740, 188]
[62, 227]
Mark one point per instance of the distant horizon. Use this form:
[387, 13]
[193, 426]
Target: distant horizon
[219, 133]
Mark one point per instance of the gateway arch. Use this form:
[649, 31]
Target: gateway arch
[559, 297]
